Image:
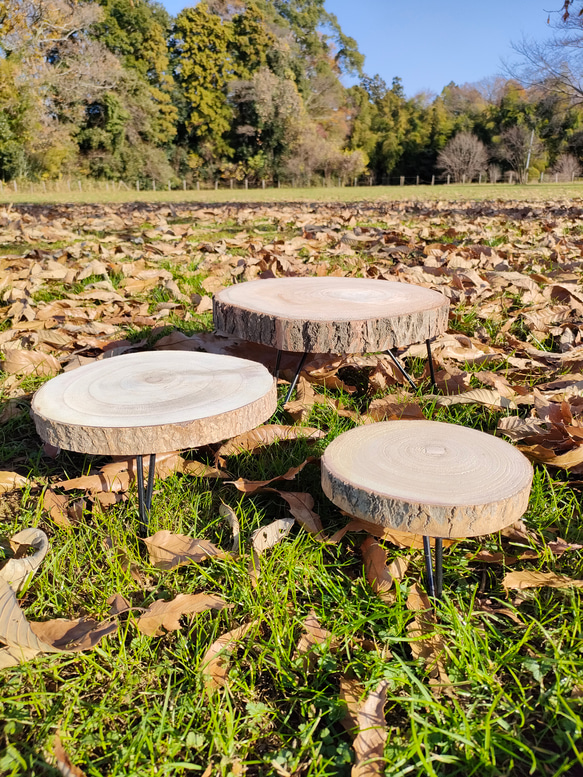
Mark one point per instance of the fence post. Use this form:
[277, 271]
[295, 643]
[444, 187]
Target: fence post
[417, 181]
[153, 185]
[79, 183]
[433, 180]
[15, 186]
[480, 178]
[464, 178]
[402, 181]
[448, 179]
[556, 178]
[278, 184]
[216, 183]
[263, 183]
[246, 182]
[169, 186]
[183, 184]
[198, 186]
[542, 177]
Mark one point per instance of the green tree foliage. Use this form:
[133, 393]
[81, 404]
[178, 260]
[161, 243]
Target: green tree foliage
[250, 89]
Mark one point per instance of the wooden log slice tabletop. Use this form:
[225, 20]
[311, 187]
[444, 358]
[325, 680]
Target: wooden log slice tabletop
[425, 477]
[330, 315]
[153, 402]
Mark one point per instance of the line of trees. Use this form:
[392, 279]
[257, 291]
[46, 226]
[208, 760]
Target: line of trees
[253, 90]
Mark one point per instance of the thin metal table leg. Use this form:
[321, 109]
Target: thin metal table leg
[438, 567]
[431, 368]
[296, 376]
[402, 370]
[429, 566]
[277, 363]
[145, 493]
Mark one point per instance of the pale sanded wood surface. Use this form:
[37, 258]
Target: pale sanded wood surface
[153, 402]
[330, 315]
[425, 477]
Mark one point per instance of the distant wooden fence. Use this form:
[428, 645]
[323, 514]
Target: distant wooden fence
[80, 185]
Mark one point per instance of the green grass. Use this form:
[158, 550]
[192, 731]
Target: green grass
[138, 706]
[533, 191]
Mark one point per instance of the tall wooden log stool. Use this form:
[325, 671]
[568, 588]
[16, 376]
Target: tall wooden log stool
[153, 402]
[436, 479]
[332, 315]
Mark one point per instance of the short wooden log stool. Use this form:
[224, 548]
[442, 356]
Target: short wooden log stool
[153, 402]
[332, 315]
[436, 479]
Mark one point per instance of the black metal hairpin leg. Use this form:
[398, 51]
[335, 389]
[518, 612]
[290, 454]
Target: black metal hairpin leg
[402, 370]
[434, 582]
[296, 376]
[145, 493]
[431, 368]
[277, 363]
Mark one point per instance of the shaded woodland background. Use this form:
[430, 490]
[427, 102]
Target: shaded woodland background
[256, 91]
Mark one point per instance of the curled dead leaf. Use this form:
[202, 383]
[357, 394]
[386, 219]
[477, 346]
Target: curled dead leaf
[16, 571]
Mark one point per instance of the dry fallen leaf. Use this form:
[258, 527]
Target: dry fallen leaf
[300, 506]
[267, 435]
[375, 567]
[351, 692]
[525, 579]
[57, 506]
[399, 538]
[267, 536]
[227, 512]
[250, 486]
[64, 764]
[425, 643]
[16, 571]
[264, 538]
[166, 615]
[168, 551]
[486, 397]
[24, 639]
[10, 481]
[369, 743]
[215, 662]
[20, 362]
[313, 635]
[200, 470]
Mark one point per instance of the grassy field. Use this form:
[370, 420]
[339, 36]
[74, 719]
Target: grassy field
[534, 192]
[137, 705]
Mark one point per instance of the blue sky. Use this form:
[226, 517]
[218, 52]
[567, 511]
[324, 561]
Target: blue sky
[429, 43]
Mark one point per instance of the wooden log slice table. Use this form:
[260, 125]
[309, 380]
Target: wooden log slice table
[153, 402]
[331, 315]
[436, 479]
